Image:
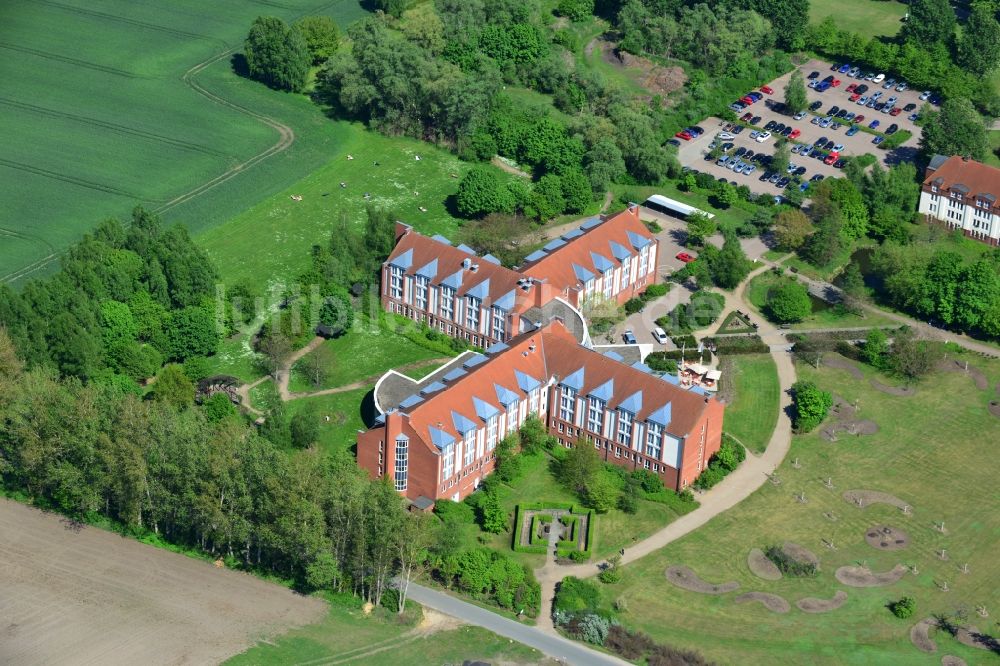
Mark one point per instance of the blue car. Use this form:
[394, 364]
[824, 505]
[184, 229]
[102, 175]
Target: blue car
[822, 87]
[877, 140]
[803, 187]
[853, 130]
[844, 69]
[873, 124]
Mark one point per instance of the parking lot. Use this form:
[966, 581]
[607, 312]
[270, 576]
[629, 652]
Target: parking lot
[693, 153]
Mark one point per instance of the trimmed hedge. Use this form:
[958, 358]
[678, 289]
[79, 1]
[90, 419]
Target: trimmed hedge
[739, 344]
[516, 545]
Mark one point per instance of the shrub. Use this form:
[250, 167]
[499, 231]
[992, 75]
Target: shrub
[738, 344]
[787, 564]
[730, 454]
[579, 555]
[903, 608]
[576, 594]
[811, 405]
[631, 645]
[788, 303]
[648, 481]
[709, 477]
[634, 305]
[612, 573]
[655, 291]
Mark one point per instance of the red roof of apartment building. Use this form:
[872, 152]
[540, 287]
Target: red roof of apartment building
[530, 360]
[970, 178]
[590, 250]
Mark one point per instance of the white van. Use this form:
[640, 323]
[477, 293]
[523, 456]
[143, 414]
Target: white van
[660, 335]
[879, 79]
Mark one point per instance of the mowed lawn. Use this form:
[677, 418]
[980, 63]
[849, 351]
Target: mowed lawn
[934, 450]
[99, 117]
[383, 638]
[753, 412]
[364, 352]
[340, 417]
[868, 18]
[823, 314]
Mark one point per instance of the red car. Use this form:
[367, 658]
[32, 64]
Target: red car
[767, 90]
[747, 100]
[896, 111]
[683, 135]
[794, 134]
[746, 117]
[855, 97]
[685, 257]
[859, 119]
[851, 88]
[831, 158]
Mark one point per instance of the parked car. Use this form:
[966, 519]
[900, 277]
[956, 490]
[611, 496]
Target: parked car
[740, 152]
[822, 87]
[825, 122]
[683, 135]
[749, 169]
[875, 95]
[850, 116]
[763, 136]
[913, 117]
[828, 145]
[783, 182]
[800, 171]
[725, 136]
[815, 105]
[878, 78]
[833, 110]
[844, 69]
[767, 90]
[831, 158]
[853, 130]
[796, 148]
[850, 88]
[901, 87]
[838, 148]
[869, 76]
[861, 89]
[660, 335]
[889, 83]
[877, 140]
[779, 128]
[746, 116]
[800, 115]
[839, 164]
[835, 83]
[775, 178]
[755, 120]
[819, 142]
[794, 134]
[909, 107]
[895, 111]
[628, 336]
[723, 161]
[695, 131]
[873, 124]
[859, 118]
[855, 97]
[813, 75]
[853, 72]
[754, 134]
[925, 95]
[862, 100]
[738, 129]
[815, 179]
[674, 142]
[803, 187]
[685, 257]
[892, 129]
[748, 155]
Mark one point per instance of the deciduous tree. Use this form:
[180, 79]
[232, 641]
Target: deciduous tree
[321, 35]
[795, 93]
[791, 228]
[957, 129]
[276, 54]
[789, 302]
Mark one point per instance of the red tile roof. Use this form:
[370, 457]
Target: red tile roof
[977, 178]
[557, 266]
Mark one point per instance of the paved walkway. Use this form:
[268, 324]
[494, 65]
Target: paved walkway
[552, 644]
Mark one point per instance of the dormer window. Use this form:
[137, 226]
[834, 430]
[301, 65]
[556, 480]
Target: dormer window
[934, 188]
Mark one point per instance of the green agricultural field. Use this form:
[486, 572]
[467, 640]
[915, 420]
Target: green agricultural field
[932, 451]
[752, 382]
[869, 18]
[146, 109]
[385, 639]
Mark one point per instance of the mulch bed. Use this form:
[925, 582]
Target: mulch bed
[843, 421]
[920, 635]
[771, 602]
[762, 567]
[952, 660]
[684, 578]
[859, 577]
[959, 366]
[886, 537]
[972, 637]
[995, 408]
[800, 554]
[898, 391]
[841, 363]
[816, 605]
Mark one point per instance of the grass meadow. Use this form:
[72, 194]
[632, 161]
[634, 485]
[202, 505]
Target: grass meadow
[932, 451]
[869, 18]
[823, 314]
[753, 412]
[384, 638]
[98, 125]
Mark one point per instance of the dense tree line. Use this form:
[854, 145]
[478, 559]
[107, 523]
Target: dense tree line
[216, 485]
[127, 298]
[280, 55]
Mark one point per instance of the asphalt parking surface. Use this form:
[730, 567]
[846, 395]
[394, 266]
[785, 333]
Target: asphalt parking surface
[692, 153]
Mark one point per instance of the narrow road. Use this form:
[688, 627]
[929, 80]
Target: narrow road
[555, 646]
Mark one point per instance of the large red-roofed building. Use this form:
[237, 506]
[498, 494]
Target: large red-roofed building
[463, 295]
[963, 194]
[439, 442]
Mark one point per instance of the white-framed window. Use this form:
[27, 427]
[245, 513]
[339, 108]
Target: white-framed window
[396, 282]
[608, 283]
[470, 447]
[402, 462]
[533, 401]
[499, 324]
[472, 313]
[491, 433]
[567, 404]
[624, 427]
[654, 440]
[595, 415]
[421, 285]
[448, 465]
[643, 256]
[448, 303]
[512, 410]
[625, 269]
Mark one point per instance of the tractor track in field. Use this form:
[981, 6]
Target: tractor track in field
[122, 19]
[73, 180]
[114, 127]
[71, 61]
